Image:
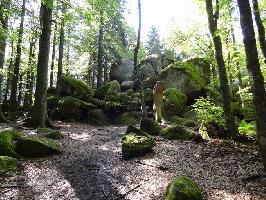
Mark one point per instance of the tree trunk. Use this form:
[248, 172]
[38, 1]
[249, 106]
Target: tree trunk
[39, 113]
[100, 54]
[261, 29]
[4, 23]
[20, 85]
[158, 101]
[29, 78]
[253, 67]
[9, 73]
[53, 58]
[226, 96]
[61, 50]
[15, 77]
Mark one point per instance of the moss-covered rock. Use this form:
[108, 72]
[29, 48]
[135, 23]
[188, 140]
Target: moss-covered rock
[133, 129]
[150, 126]
[177, 132]
[98, 117]
[110, 88]
[134, 145]
[173, 102]
[183, 188]
[184, 122]
[52, 102]
[7, 143]
[148, 95]
[72, 108]
[33, 147]
[126, 119]
[185, 77]
[75, 88]
[122, 71]
[8, 165]
[50, 133]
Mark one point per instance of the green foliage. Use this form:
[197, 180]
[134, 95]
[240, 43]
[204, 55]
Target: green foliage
[247, 128]
[208, 112]
[7, 143]
[153, 43]
[183, 188]
[8, 165]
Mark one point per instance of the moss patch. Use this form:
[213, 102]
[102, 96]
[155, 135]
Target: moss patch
[183, 188]
[150, 126]
[184, 122]
[109, 88]
[177, 132]
[8, 165]
[135, 145]
[50, 133]
[7, 143]
[37, 147]
[126, 119]
[173, 102]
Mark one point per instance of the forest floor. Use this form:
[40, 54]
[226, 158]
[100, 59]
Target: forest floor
[91, 168]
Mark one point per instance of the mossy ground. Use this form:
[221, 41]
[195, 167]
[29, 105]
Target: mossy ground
[8, 165]
[183, 188]
[7, 143]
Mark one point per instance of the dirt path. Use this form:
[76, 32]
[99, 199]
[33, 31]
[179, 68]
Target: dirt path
[91, 168]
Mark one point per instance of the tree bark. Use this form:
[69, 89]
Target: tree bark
[39, 113]
[261, 29]
[100, 53]
[158, 101]
[224, 87]
[15, 77]
[53, 58]
[253, 67]
[20, 85]
[4, 23]
[8, 80]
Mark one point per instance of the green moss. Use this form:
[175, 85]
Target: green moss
[37, 147]
[183, 188]
[177, 132]
[184, 122]
[173, 102]
[126, 119]
[70, 101]
[78, 88]
[136, 145]
[150, 126]
[120, 98]
[50, 133]
[7, 143]
[8, 165]
[109, 88]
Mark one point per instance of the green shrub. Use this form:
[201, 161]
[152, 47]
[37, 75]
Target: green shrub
[247, 128]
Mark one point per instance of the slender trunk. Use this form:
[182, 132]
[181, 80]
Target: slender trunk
[100, 54]
[28, 93]
[9, 72]
[53, 58]
[68, 54]
[93, 76]
[15, 78]
[4, 24]
[61, 51]
[261, 29]
[105, 73]
[20, 86]
[253, 67]
[226, 96]
[39, 113]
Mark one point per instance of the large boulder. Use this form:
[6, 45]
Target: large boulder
[150, 126]
[167, 58]
[122, 71]
[8, 165]
[177, 132]
[110, 88]
[127, 85]
[127, 118]
[72, 108]
[76, 88]
[135, 144]
[50, 133]
[37, 147]
[184, 77]
[173, 102]
[154, 60]
[97, 117]
[183, 188]
[147, 72]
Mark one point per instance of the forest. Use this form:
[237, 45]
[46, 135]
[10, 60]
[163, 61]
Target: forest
[93, 107]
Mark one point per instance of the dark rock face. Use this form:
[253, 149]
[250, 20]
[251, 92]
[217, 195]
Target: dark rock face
[150, 126]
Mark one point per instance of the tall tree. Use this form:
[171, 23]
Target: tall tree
[39, 113]
[253, 67]
[224, 87]
[61, 48]
[153, 44]
[53, 57]
[15, 77]
[100, 52]
[4, 5]
[261, 29]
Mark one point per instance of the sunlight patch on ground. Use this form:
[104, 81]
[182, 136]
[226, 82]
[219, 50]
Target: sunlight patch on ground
[80, 137]
[48, 183]
[222, 194]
